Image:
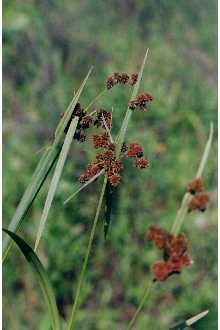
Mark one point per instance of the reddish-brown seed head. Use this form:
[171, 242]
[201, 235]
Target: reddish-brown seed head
[195, 186]
[199, 202]
[135, 150]
[142, 163]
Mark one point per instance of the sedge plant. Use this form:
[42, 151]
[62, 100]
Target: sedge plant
[108, 164]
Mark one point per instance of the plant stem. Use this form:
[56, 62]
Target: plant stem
[95, 99]
[178, 222]
[141, 305]
[85, 262]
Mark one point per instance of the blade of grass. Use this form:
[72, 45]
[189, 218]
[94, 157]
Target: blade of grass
[38, 178]
[41, 172]
[121, 137]
[56, 178]
[185, 324]
[67, 114]
[109, 205]
[81, 187]
[42, 277]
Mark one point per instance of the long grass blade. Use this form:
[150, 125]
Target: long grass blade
[122, 133]
[38, 178]
[206, 152]
[110, 195]
[42, 277]
[56, 178]
[81, 187]
[43, 169]
[185, 324]
[67, 114]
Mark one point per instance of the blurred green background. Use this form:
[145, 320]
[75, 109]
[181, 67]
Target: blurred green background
[48, 46]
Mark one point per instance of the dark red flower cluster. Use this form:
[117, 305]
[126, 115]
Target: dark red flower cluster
[101, 140]
[135, 150]
[140, 102]
[195, 186]
[91, 171]
[133, 79]
[200, 199]
[175, 256]
[199, 202]
[103, 118]
[121, 78]
[83, 123]
[142, 163]
[107, 159]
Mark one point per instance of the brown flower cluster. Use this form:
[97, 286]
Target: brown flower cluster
[199, 202]
[104, 118]
[200, 198]
[121, 78]
[140, 102]
[107, 160]
[195, 186]
[135, 150]
[175, 256]
[83, 123]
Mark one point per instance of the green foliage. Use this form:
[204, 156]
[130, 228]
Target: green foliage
[42, 277]
[48, 48]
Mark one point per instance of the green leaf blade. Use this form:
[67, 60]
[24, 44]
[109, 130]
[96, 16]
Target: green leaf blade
[41, 275]
[121, 136]
[42, 171]
[56, 178]
[37, 180]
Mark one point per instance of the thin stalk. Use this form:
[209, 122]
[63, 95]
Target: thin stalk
[141, 305]
[85, 262]
[81, 187]
[178, 222]
[95, 99]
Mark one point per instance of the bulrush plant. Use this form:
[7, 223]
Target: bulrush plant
[111, 151]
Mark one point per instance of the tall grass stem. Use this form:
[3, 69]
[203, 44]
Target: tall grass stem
[141, 305]
[85, 262]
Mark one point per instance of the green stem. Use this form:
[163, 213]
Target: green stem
[95, 99]
[85, 262]
[178, 222]
[141, 305]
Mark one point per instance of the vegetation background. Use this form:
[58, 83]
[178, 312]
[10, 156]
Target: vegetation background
[48, 46]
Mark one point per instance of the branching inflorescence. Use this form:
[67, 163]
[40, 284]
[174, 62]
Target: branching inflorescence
[107, 160]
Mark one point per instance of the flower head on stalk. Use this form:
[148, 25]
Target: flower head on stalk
[107, 160]
[121, 78]
[200, 198]
[199, 202]
[174, 249]
[140, 102]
